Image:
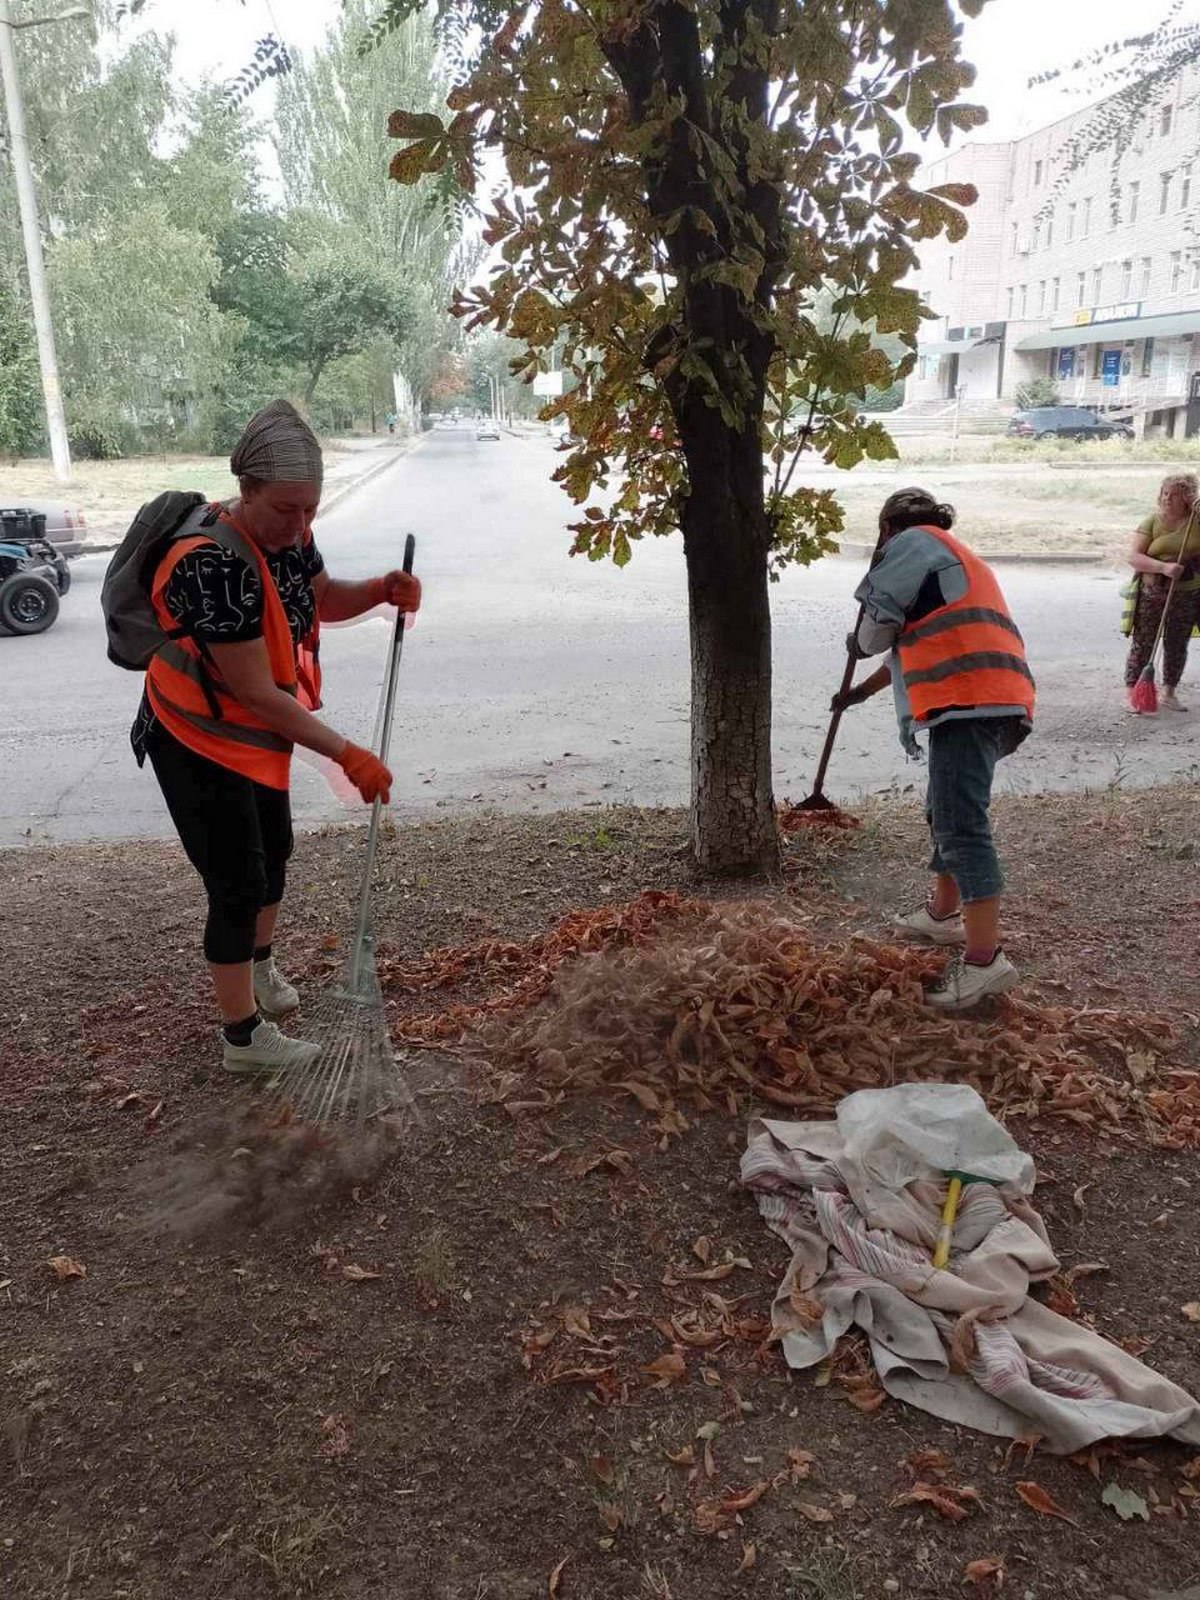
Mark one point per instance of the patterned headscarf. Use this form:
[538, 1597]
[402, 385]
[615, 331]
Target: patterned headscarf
[278, 446]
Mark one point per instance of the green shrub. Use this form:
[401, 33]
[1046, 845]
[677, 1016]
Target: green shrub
[1037, 392]
[98, 429]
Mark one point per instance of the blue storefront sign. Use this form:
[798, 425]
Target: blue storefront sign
[1112, 369]
[1066, 362]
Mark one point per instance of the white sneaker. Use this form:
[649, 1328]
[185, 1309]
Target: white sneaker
[273, 994]
[922, 924]
[269, 1050]
[963, 985]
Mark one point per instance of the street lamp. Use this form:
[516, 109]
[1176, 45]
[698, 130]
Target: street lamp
[18, 138]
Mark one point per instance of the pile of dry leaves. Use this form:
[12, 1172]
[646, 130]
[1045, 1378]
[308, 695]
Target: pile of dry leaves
[683, 1003]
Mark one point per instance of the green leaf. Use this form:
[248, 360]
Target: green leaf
[1125, 1503]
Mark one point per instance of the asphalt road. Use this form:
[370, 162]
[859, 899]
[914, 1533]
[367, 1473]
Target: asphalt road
[532, 681]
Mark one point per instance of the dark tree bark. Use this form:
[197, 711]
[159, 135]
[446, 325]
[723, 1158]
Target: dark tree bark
[724, 523]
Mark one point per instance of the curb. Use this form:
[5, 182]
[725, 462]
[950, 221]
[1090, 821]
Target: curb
[1012, 558]
[342, 492]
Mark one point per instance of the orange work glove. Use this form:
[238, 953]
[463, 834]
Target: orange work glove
[399, 589]
[366, 772]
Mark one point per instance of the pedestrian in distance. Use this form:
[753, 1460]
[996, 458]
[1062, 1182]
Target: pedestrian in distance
[957, 669]
[1164, 555]
[239, 591]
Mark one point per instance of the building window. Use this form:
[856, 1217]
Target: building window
[1055, 289]
[1176, 279]
[1024, 299]
[1049, 230]
[1038, 168]
[1126, 279]
[1087, 219]
[1164, 193]
[1097, 360]
[1147, 357]
[1185, 188]
[1041, 301]
[1147, 268]
[1013, 237]
[1135, 191]
[1037, 236]
[1011, 292]
[1097, 284]
[1164, 121]
[1081, 288]
[1194, 278]
[1072, 210]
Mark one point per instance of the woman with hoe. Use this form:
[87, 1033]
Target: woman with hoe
[1165, 557]
[240, 595]
[957, 668]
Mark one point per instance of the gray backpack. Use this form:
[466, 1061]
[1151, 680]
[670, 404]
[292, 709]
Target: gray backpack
[134, 631]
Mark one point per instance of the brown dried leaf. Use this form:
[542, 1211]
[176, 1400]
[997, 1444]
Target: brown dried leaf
[576, 1321]
[702, 1249]
[682, 1458]
[1041, 1501]
[749, 1557]
[1192, 1310]
[556, 1577]
[814, 1513]
[335, 1436]
[926, 1463]
[667, 1369]
[738, 1500]
[802, 1462]
[987, 1573]
[358, 1274]
[601, 1468]
[67, 1267]
[949, 1502]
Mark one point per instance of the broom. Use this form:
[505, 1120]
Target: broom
[1143, 697]
[355, 1072]
[818, 801]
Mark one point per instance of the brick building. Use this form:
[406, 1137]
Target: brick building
[1070, 278]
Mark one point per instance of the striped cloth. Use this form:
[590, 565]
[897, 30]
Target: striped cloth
[278, 446]
[861, 1257]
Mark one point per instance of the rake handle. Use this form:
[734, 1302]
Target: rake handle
[396, 648]
[835, 721]
[1162, 621]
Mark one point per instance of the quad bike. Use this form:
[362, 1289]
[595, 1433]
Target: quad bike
[33, 575]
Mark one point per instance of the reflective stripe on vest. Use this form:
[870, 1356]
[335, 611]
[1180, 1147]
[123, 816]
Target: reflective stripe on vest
[182, 686]
[968, 653]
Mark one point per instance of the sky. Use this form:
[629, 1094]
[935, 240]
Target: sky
[1009, 43]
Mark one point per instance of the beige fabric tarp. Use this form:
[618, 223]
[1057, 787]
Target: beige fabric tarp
[861, 1249]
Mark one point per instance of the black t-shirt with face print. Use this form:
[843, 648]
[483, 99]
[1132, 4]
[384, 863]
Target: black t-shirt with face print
[219, 599]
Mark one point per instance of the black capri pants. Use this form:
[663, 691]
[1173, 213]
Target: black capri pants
[235, 832]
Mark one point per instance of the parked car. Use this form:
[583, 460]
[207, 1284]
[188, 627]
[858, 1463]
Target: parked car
[33, 574]
[1065, 422]
[488, 430]
[66, 526]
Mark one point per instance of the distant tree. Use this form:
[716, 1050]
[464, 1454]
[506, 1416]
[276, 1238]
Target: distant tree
[20, 392]
[338, 306]
[1038, 392]
[687, 178]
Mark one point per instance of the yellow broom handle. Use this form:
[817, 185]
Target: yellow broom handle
[941, 1253]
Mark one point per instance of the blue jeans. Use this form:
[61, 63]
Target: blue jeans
[963, 753]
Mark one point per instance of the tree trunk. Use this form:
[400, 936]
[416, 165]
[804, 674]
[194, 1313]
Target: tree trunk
[725, 541]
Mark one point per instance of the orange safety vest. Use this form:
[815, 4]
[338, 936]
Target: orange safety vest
[187, 692]
[969, 653]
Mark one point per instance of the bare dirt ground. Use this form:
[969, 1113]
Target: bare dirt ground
[226, 1406]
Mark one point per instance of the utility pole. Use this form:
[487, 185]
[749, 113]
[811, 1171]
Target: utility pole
[18, 138]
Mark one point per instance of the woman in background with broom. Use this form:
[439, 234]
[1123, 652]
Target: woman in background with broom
[957, 669]
[231, 693]
[1165, 557]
